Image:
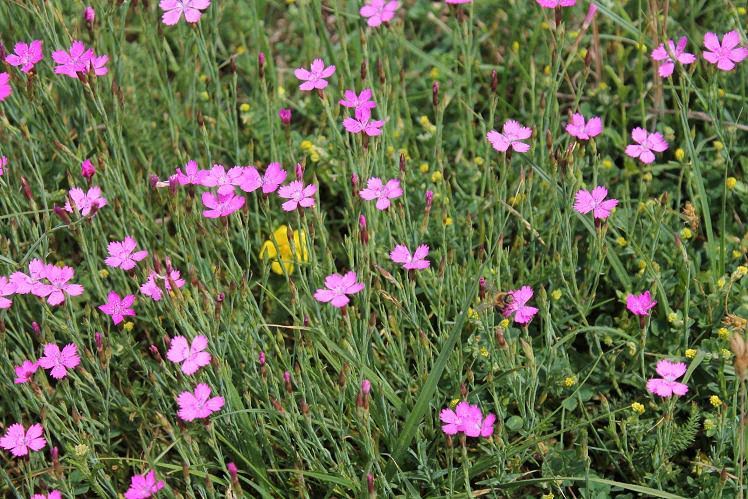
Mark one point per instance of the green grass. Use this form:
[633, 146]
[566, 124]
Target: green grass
[561, 388]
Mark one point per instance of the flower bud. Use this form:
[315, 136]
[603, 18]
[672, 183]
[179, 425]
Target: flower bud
[285, 115]
[261, 64]
[87, 169]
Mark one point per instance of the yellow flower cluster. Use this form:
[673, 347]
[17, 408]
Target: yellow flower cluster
[313, 151]
[278, 249]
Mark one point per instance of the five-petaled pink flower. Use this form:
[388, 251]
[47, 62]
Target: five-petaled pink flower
[221, 205]
[595, 202]
[298, 195]
[7, 288]
[584, 131]
[517, 305]
[416, 261]
[378, 11]
[315, 76]
[646, 143]
[97, 64]
[726, 54]
[122, 254]
[151, 288]
[144, 486]
[640, 304]
[192, 175]
[192, 357]
[512, 135]
[117, 307]
[59, 361]
[30, 283]
[58, 286]
[26, 55]
[360, 101]
[85, 202]
[77, 60]
[337, 287]
[19, 440]
[5, 89]
[666, 386]
[363, 123]
[375, 189]
[468, 419]
[173, 10]
[224, 180]
[25, 371]
[53, 494]
[667, 64]
[552, 4]
[198, 404]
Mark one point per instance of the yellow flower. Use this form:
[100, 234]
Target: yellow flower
[453, 403]
[448, 221]
[718, 146]
[314, 157]
[607, 164]
[582, 53]
[478, 161]
[81, 450]
[484, 352]
[680, 154]
[556, 294]
[691, 353]
[504, 323]
[424, 121]
[549, 495]
[715, 401]
[128, 326]
[621, 241]
[423, 167]
[204, 95]
[544, 25]
[434, 73]
[709, 424]
[570, 381]
[742, 11]
[741, 271]
[281, 91]
[436, 177]
[637, 408]
[103, 273]
[306, 145]
[515, 47]
[723, 333]
[721, 283]
[547, 70]
[726, 354]
[279, 244]
[686, 233]
[472, 314]
[244, 107]
[736, 254]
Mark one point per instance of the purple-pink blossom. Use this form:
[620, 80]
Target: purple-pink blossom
[191, 356]
[361, 101]
[552, 4]
[19, 441]
[274, 176]
[337, 288]
[53, 494]
[667, 386]
[362, 123]
[58, 286]
[511, 136]
[25, 371]
[468, 419]
[667, 64]
[517, 305]
[377, 12]
[118, 308]
[144, 486]
[152, 289]
[298, 195]
[221, 205]
[224, 180]
[383, 193]
[85, 202]
[7, 288]
[5, 88]
[198, 404]
[726, 54]
[122, 254]
[74, 61]
[59, 361]
[416, 261]
[174, 9]
[88, 170]
[314, 77]
[645, 144]
[595, 202]
[640, 304]
[582, 130]
[192, 175]
[26, 55]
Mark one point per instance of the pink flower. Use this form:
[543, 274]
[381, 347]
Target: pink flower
[53, 494]
[59, 361]
[85, 202]
[26, 55]
[356, 102]
[273, 177]
[198, 405]
[595, 202]
[25, 371]
[378, 11]
[151, 288]
[18, 440]
[512, 136]
[225, 181]
[297, 195]
[457, 2]
[375, 189]
[416, 261]
[727, 54]
[121, 254]
[645, 143]
[89, 14]
[552, 4]
[5, 89]
[3, 164]
[316, 77]
[192, 357]
[285, 115]
[97, 64]
[251, 179]
[58, 286]
[26, 284]
[584, 131]
[640, 304]
[667, 65]
[363, 123]
[667, 386]
[192, 174]
[144, 486]
[468, 419]
[74, 62]
[338, 286]
[517, 305]
[221, 205]
[7, 288]
[88, 170]
[117, 307]
[175, 8]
